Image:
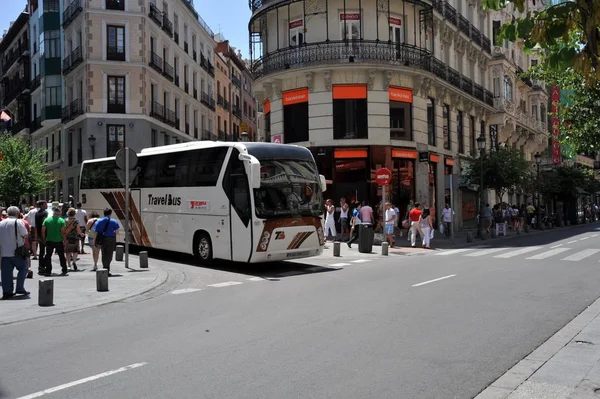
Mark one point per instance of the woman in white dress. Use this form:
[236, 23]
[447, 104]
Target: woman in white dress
[426, 225]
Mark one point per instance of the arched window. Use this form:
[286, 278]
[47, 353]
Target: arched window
[508, 88]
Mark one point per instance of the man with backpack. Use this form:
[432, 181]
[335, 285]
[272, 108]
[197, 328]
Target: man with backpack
[106, 238]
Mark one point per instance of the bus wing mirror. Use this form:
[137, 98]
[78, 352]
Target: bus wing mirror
[255, 173]
[323, 183]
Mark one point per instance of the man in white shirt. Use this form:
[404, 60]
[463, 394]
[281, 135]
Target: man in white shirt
[12, 235]
[447, 217]
[82, 219]
[390, 218]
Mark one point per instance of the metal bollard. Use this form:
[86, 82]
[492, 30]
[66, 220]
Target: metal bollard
[384, 248]
[119, 253]
[46, 292]
[336, 249]
[144, 259]
[493, 233]
[102, 280]
[469, 236]
[526, 228]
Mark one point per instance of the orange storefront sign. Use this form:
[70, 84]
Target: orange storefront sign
[351, 153]
[295, 96]
[406, 154]
[449, 161]
[349, 92]
[402, 95]
[434, 158]
[267, 106]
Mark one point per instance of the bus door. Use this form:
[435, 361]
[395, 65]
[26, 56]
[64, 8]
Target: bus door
[236, 185]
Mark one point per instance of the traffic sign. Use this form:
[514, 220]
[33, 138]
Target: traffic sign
[383, 176]
[122, 176]
[277, 139]
[120, 158]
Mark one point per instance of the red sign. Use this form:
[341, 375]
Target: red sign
[276, 139]
[383, 176]
[296, 24]
[395, 21]
[349, 17]
[556, 154]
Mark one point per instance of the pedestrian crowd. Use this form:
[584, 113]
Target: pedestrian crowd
[39, 234]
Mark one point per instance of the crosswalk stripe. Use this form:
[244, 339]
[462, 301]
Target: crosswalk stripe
[517, 252]
[550, 253]
[453, 251]
[361, 260]
[486, 252]
[581, 255]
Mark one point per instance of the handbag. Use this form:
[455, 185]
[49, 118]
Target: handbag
[100, 236]
[21, 251]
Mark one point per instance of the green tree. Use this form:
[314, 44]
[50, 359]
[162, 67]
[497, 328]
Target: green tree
[564, 183]
[21, 170]
[502, 170]
[567, 33]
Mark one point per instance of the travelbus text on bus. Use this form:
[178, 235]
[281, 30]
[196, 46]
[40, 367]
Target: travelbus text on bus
[164, 200]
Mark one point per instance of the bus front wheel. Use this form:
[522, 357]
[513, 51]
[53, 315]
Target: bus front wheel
[203, 248]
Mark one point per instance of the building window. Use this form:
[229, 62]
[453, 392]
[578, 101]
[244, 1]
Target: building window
[508, 88]
[350, 112]
[295, 115]
[80, 146]
[400, 120]
[50, 44]
[115, 5]
[154, 138]
[115, 139]
[296, 33]
[115, 50]
[51, 6]
[431, 138]
[116, 95]
[472, 142]
[446, 117]
[350, 26]
[534, 112]
[53, 96]
[543, 113]
[496, 25]
[459, 132]
[396, 30]
[70, 149]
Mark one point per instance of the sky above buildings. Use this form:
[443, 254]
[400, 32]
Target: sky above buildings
[229, 17]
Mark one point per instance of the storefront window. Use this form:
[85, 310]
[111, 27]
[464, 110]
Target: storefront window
[350, 180]
[403, 184]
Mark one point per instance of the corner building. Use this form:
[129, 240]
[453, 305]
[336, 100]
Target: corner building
[376, 83]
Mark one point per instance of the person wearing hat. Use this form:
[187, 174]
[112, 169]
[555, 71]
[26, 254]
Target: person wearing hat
[53, 234]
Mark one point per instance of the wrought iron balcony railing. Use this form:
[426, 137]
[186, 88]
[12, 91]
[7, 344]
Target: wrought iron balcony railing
[72, 61]
[155, 14]
[168, 71]
[115, 53]
[236, 81]
[167, 25]
[71, 111]
[156, 62]
[35, 82]
[71, 12]
[165, 115]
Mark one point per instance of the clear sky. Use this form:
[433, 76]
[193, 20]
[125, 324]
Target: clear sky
[229, 17]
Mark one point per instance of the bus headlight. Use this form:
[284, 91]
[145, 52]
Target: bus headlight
[265, 240]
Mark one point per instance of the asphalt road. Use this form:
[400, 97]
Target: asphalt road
[377, 329]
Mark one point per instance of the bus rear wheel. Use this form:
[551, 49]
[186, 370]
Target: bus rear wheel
[203, 250]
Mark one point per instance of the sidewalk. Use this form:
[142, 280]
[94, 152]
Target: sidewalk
[567, 366]
[78, 290]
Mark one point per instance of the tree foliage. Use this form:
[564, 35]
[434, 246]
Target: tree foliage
[502, 170]
[565, 182]
[579, 117]
[21, 170]
[567, 33]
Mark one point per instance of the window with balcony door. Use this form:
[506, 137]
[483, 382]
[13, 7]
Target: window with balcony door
[350, 112]
[534, 112]
[295, 115]
[459, 132]
[446, 127]
[350, 26]
[543, 113]
[396, 30]
[400, 113]
[508, 88]
[296, 33]
[115, 50]
[115, 139]
[431, 122]
[116, 95]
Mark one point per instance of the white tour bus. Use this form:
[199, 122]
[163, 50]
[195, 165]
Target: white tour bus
[245, 202]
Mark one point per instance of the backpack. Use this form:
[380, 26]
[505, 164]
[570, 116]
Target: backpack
[73, 234]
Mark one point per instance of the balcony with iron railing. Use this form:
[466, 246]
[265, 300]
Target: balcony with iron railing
[116, 106]
[115, 53]
[13, 88]
[195, 94]
[237, 111]
[168, 71]
[164, 115]
[118, 5]
[156, 62]
[167, 25]
[226, 105]
[208, 135]
[71, 12]
[236, 81]
[35, 124]
[72, 61]
[365, 51]
[451, 15]
[204, 99]
[73, 110]
[155, 14]
[19, 125]
[35, 82]
[18, 53]
[464, 25]
[220, 101]
[211, 103]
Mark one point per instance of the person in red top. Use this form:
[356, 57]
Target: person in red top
[415, 227]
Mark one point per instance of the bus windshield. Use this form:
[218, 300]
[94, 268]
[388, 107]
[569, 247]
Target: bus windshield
[288, 188]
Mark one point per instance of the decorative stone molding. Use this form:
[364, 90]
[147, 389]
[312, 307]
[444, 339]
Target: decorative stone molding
[268, 89]
[310, 84]
[259, 95]
[327, 80]
[447, 34]
[482, 61]
[371, 73]
[387, 79]
[467, 106]
[498, 71]
[277, 89]
[437, 25]
[456, 101]
[460, 43]
[441, 92]
[422, 85]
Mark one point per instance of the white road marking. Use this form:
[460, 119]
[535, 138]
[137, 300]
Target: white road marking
[548, 254]
[185, 291]
[571, 242]
[225, 284]
[486, 252]
[434, 280]
[582, 255]
[584, 238]
[517, 252]
[82, 381]
[340, 264]
[361, 260]
[261, 279]
[594, 235]
[453, 251]
[556, 246]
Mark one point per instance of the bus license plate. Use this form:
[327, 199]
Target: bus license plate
[297, 254]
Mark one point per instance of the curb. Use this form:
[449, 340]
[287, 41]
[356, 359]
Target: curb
[161, 279]
[508, 383]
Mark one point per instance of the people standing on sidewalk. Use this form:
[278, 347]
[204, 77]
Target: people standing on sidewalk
[12, 237]
[82, 219]
[329, 220]
[447, 219]
[30, 217]
[54, 237]
[390, 217]
[73, 233]
[91, 229]
[355, 223]
[27, 244]
[106, 238]
[344, 218]
[530, 214]
[40, 216]
[426, 225]
[415, 227]
[366, 213]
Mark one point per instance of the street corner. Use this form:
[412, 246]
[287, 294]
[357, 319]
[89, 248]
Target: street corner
[79, 290]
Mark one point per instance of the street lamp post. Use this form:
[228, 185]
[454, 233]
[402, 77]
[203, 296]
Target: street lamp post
[538, 218]
[481, 148]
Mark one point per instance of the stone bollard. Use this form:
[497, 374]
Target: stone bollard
[102, 280]
[469, 236]
[46, 292]
[493, 233]
[336, 248]
[144, 259]
[542, 226]
[518, 231]
[384, 248]
[119, 253]
[526, 228]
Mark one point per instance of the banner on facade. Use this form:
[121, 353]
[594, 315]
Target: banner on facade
[556, 154]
